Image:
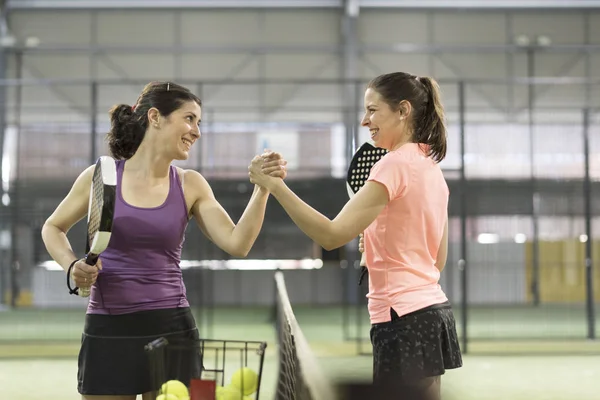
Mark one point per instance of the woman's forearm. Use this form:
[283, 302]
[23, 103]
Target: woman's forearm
[58, 246]
[314, 224]
[248, 227]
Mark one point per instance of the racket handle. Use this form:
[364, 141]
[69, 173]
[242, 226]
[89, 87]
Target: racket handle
[90, 259]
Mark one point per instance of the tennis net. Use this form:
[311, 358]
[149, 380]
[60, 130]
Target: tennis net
[300, 376]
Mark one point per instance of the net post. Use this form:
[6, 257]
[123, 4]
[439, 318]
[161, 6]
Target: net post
[274, 309]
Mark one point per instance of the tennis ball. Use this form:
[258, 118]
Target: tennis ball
[167, 397]
[176, 388]
[248, 378]
[228, 393]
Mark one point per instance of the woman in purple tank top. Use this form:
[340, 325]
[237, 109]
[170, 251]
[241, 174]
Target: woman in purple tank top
[137, 290]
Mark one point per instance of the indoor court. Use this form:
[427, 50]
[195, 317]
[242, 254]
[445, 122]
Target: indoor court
[520, 84]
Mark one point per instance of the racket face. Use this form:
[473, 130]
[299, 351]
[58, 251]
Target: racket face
[101, 205]
[360, 166]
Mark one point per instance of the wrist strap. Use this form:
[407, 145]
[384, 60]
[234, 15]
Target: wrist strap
[363, 273]
[71, 290]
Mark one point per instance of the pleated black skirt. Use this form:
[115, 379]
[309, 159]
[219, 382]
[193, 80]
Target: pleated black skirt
[113, 361]
[415, 346]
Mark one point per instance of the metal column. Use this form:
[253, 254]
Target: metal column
[535, 199]
[15, 200]
[587, 198]
[350, 73]
[462, 262]
[94, 123]
[4, 267]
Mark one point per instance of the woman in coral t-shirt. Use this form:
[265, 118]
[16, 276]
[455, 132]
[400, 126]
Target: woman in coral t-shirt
[403, 211]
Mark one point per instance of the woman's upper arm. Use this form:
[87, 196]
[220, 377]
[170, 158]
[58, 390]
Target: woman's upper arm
[362, 209]
[211, 217]
[74, 206]
[388, 180]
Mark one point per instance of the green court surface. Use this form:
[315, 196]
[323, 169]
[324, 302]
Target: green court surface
[516, 353]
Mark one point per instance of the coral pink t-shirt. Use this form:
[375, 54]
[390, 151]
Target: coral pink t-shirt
[402, 244]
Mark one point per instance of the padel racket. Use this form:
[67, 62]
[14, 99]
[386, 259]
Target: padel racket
[101, 210]
[360, 167]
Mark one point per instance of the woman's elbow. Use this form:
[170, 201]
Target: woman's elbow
[239, 251]
[48, 229]
[335, 239]
[332, 243]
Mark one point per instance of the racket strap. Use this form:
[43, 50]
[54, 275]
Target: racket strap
[363, 273]
[75, 290]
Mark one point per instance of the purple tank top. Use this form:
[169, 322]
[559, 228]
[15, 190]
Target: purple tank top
[140, 267]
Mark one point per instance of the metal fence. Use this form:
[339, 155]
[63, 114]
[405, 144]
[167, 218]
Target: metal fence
[523, 171]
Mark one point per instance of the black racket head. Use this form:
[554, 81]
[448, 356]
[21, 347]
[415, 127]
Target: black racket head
[101, 207]
[360, 166]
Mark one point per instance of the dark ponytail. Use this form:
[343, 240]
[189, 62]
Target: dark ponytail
[431, 127]
[423, 94]
[128, 124]
[126, 131]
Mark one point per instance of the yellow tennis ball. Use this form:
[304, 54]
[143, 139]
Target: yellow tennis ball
[248, 378]
[228, 393]
[167, 397]
[176, 388]
[219, 393]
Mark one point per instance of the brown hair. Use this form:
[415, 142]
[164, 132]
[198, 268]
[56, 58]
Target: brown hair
[129, 123]
[423, 93]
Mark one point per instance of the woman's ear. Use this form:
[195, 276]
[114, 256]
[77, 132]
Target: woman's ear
[154, 117]
[404, 110]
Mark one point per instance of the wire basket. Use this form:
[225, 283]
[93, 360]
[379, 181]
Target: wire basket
[206, 369]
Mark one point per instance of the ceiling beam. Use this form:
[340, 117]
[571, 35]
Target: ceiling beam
[245, 4]
[481, 4]
[558, 81]
[167, 4]
[397, 48]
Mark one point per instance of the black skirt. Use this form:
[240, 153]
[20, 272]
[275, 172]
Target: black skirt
[415, 346]
[113, 361]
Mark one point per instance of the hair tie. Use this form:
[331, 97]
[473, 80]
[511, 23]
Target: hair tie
[133, 107]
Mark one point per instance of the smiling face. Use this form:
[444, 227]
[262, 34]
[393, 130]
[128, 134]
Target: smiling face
[179, 131]
[388, 126]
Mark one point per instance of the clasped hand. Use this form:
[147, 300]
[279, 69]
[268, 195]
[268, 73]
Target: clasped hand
[85, 275]
[267, 169]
